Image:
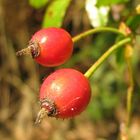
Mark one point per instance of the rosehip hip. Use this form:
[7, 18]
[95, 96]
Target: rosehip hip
[64, 94]
[50, 47]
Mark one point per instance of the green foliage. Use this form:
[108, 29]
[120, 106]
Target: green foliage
[133, 22]
[104, 88]
[55, 13]
[120, 57]
[110, 2]
[38, 3]
[95, 110]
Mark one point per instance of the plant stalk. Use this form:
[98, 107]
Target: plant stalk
[96, 30]
[131, 85]
[95, 66]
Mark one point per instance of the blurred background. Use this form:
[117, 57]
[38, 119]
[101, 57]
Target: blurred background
[21, 77]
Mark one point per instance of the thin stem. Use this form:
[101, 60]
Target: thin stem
[129, 95]
[130, 88]
[94, 67]
[100, 29]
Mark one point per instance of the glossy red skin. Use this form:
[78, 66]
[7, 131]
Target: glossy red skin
[70, 91]
[56, 46]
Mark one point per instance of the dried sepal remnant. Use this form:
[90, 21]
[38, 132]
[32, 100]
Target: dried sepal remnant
[33, 49]
[41, 114]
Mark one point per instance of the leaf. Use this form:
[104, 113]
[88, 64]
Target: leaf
[109, 2]
[120, 57]
[38, 3]
[55, 13]
[133, 22]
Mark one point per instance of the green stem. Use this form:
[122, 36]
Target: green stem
[99, 29]
[94, 67]
[129, 91]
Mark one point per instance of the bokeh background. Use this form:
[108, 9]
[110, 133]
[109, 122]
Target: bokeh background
[21, 77]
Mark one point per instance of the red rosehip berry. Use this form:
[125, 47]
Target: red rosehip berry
[50, 46]
[64, 94]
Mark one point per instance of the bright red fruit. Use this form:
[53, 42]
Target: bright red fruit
[50, 46]
[64, 94]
